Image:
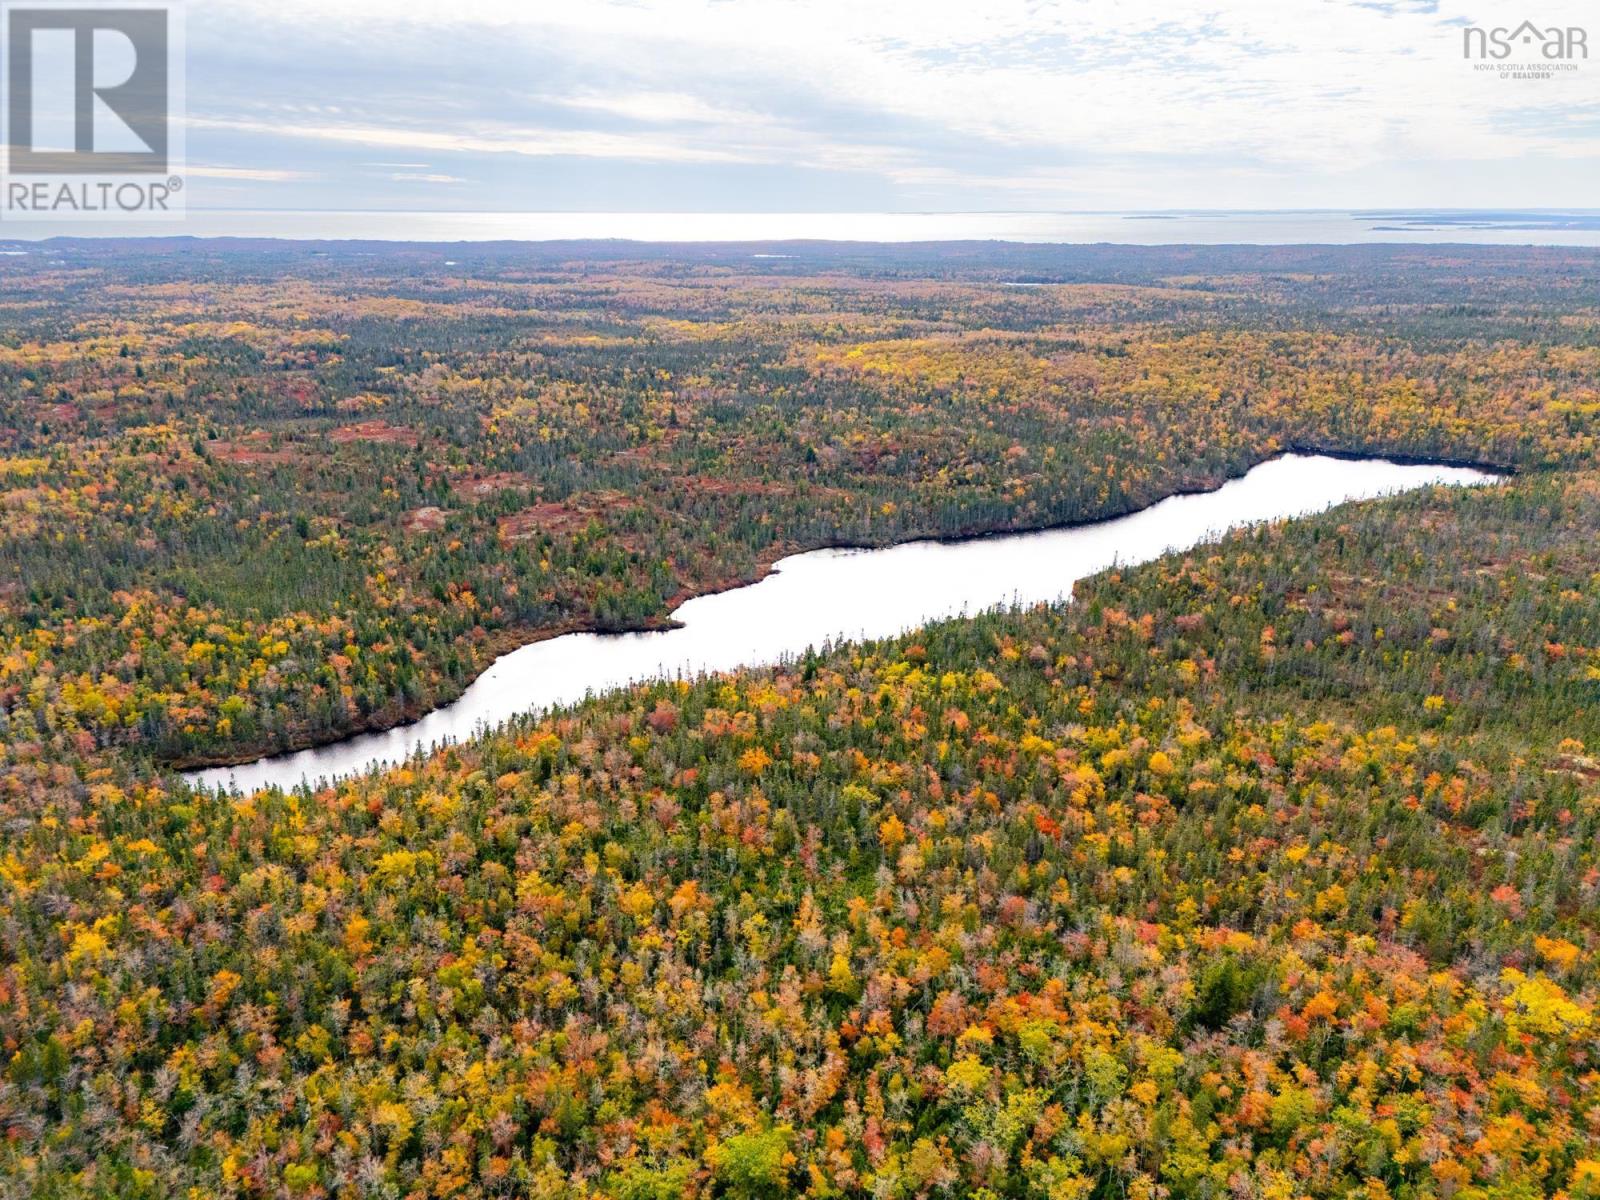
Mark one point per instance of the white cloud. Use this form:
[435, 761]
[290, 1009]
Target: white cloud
[1135, 103]
[530, 142]
[247, 174]
[662, 107]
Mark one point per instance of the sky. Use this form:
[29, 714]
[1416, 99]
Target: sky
[878, 105]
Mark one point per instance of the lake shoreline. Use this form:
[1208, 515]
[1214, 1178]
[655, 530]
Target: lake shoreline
[506, 642]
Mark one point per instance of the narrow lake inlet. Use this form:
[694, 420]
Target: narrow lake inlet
[833, 595]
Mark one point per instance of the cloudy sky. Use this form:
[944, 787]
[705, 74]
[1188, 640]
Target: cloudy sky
[840, 105]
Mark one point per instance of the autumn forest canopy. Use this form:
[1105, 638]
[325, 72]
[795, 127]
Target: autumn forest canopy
[1266, 870]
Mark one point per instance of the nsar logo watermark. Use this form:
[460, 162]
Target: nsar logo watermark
[93, 99]
[1526, 51]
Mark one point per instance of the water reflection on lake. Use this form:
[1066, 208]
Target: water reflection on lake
[833, 594]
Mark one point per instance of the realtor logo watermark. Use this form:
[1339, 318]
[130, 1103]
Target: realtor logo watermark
[93, 98]
[1526, 51]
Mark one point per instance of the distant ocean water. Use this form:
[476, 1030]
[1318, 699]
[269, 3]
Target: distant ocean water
[1338, 227]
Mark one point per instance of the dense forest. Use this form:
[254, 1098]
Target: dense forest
[1266, 870]
[257, 500]
[1270, 870]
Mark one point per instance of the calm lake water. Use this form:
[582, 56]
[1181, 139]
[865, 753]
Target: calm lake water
[831, 595]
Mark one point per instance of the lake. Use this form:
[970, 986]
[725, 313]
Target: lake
[831, 595]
